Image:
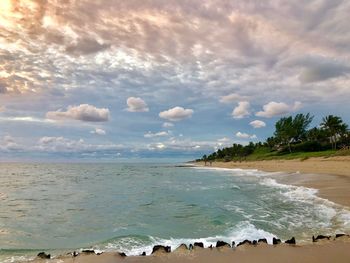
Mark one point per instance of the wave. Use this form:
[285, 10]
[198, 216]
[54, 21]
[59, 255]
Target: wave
[136, 245]
[327, 210]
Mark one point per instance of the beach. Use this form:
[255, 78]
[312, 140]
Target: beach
[331, 177]
[324, 251]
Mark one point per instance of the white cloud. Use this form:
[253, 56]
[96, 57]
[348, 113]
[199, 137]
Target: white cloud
[158, 134]
[258, 124]
[243, 135]
[176, 114]
[168, 125]
[8, 143]
[62, 144]
[98, 131]
[136, 105]
[83, 112]
[273, 109]
[242, 110]
[233, 97]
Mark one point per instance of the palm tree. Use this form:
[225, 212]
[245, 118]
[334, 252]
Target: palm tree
[335, 127]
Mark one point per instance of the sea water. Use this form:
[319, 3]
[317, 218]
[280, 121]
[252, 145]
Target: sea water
[131, 207]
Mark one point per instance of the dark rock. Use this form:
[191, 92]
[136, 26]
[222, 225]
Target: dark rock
[190, 247]
[233, 243]
[340, 235]
[262, 240]
[75, 254]
[198, 244]
[122, 254]
[319, 237]
[255, 242]
[143, 253]
[160, 248]
[88, 251]
[211, 246]
[276, 241]
[291, 241]
[248, 242]
[43, 255]
[222, 244]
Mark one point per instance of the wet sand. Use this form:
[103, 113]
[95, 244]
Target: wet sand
[331, 176]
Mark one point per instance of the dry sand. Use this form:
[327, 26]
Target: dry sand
[330, 175]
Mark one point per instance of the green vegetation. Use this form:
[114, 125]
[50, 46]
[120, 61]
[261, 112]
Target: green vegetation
[292, 140]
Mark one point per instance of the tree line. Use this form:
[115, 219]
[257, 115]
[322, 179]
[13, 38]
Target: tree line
[292, 134]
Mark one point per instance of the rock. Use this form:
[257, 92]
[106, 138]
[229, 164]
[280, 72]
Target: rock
[198, 244]
[262, 240]
[233, 243]
[122, 254]
[190, 247]
[291, 241]
[159, 248]
[319, 237]
[211, 246]
[341, 235]
[43, 255]
[276, 241]
[88, 251]
[143, 253]
[75, 254]
[222, 244]
[255, 242]
[248, 242]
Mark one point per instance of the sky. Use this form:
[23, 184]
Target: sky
[117, 80]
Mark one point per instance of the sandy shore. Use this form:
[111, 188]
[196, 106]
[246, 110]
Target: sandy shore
[330, 175]
[323, 251]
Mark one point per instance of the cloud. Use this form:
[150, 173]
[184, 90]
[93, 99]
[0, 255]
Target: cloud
[136, 105]
[8, 143]
[273, 109]
[243, 135]
[167, 125]
[176, 114]
[62, 144]
[158, 134]
[322, 72]
[242, 110]
[86, 46]
[233, 97]
[257, 124]
[98, 131]
[83, 112]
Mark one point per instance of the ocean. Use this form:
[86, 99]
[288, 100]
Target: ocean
[59, 208]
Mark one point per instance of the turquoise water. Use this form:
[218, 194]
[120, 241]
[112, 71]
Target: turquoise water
[131, 207]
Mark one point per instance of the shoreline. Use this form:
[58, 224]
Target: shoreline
[333, 187]
[330, 176]
[323, 250]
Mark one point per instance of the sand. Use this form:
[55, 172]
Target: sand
[330, 175]
[323, 251]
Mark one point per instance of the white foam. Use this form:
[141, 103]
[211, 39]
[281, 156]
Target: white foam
[244, 230]
[328, 211]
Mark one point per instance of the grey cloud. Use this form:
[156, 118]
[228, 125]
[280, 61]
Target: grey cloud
[86, 46]
[322, 72]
